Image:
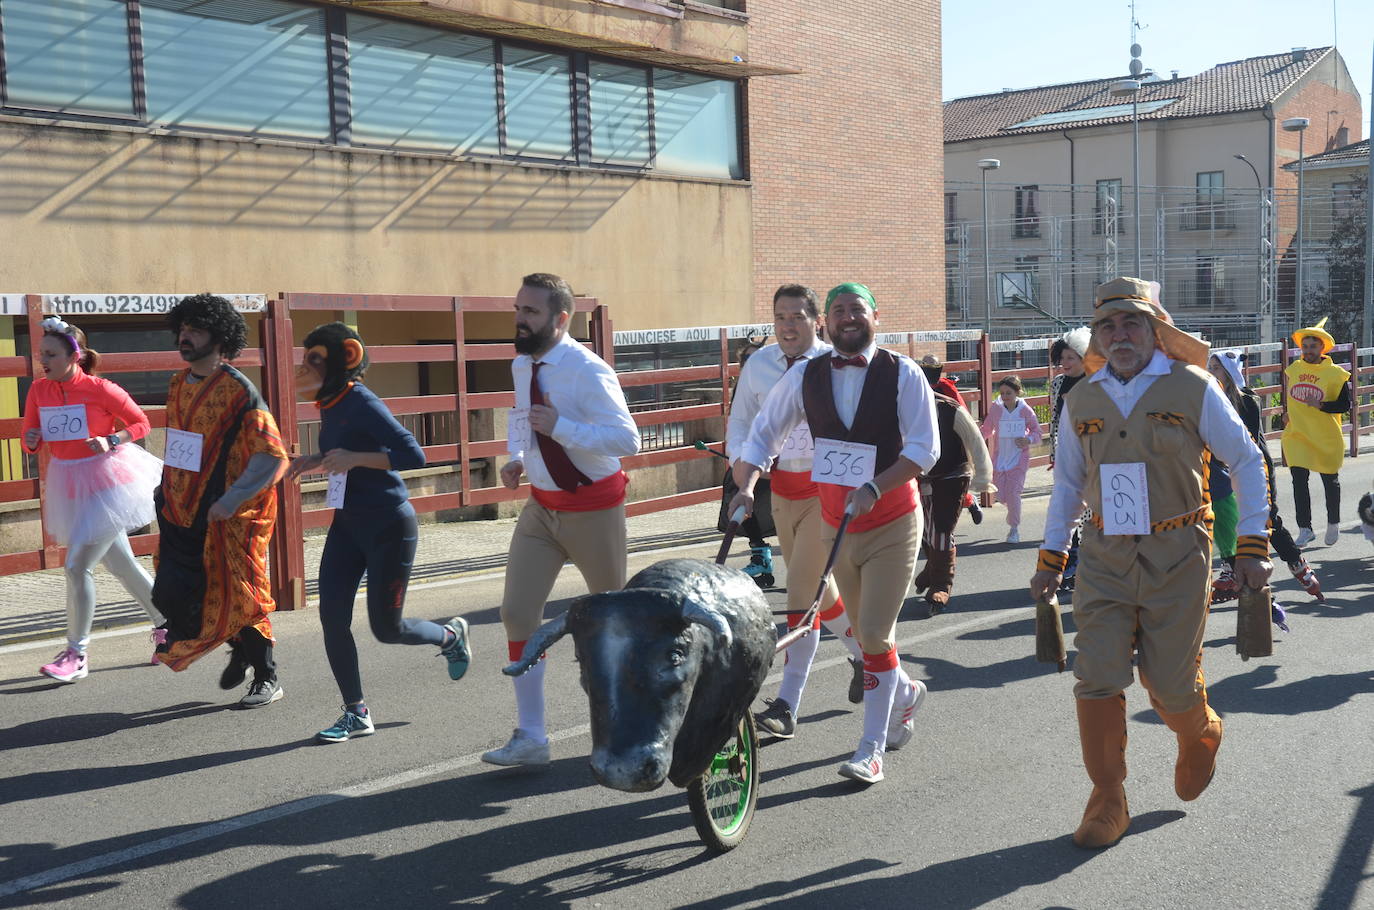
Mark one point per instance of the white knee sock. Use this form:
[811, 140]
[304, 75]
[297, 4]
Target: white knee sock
[878, 693]
[529, 701]
[796, 668]
[836, 621]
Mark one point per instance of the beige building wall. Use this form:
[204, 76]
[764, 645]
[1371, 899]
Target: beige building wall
[108, 210]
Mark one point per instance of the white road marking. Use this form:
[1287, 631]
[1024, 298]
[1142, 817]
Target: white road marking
[366, 788]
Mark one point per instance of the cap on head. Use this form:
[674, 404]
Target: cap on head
[1231, 360]
[850, 287]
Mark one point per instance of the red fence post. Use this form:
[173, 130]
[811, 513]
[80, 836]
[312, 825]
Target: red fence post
[603, 337]
[287, 548]
[460, 385]
[52, 554]
[984, 374]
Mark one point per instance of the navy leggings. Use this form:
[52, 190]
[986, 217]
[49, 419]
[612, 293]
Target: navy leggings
[383, 546]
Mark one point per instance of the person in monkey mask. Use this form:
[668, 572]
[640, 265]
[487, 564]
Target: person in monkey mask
[362, 446]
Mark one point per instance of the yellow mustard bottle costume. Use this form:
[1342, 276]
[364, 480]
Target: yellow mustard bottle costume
[1313, 438]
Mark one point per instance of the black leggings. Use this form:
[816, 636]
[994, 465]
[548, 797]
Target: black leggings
[384, 546]
[1302, 500]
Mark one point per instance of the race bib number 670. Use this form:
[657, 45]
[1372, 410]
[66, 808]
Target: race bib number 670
[60, 424]
[848, 464]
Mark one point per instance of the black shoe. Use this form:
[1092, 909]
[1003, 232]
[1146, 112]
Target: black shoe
[777, 720]
[234, 674]
[975, 512]
[262, 693]
[856, 682]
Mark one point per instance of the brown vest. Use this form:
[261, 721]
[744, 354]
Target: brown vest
[1163, 432]
[954, 461]
[875, 420]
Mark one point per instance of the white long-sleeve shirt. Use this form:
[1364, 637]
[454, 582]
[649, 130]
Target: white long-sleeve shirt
[783, 409]
[1219, 427]
[761, 372]
[594, 423]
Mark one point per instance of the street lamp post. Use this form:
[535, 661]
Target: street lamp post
[985, 165]
[1122, 89]
[1261, 289]
[1298, 125]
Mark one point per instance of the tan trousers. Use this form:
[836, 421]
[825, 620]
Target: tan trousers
[873, 573]
[1142, 603]
[543, 541]
[799, 525]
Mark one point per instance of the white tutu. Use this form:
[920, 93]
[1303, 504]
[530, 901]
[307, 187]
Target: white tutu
[90, 499]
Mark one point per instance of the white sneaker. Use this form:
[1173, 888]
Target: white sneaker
[1014, 535]
[1305, 537]
[1333, 534]
[867, 764]
[901, 725]
[522, 749]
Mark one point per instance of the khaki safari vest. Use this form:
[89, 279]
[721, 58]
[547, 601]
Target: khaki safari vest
[1163, 433]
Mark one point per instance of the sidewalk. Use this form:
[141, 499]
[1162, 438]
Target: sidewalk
[33, 606]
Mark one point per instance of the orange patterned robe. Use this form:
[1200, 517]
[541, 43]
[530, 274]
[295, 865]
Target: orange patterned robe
[212, 578]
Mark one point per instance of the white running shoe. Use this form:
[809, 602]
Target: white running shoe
[1014, 535]
[1333, 534]
[1305, 537]
[522, 749]
[867, 764]
[901, 725]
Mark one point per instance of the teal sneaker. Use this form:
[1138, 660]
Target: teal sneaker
[347, 726]
[458, 653]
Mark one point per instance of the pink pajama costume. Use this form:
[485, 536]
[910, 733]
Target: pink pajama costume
[1001, 428]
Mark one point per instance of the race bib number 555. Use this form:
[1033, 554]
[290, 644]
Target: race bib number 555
[848, 464]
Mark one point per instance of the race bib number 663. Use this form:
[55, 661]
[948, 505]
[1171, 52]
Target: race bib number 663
[848, 464]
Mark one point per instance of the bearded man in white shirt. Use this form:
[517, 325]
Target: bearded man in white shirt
[579, 429]
[796, 506]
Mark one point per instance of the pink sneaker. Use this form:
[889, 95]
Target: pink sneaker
[69, 666]
[159, 639]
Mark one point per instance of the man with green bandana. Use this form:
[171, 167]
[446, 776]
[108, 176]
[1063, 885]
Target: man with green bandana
[872, 417]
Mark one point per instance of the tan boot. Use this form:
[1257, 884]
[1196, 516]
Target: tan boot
[1102, 734]
[1199, 737]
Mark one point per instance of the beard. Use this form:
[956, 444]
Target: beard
[535, 340]
[850, 345]
[190, 354]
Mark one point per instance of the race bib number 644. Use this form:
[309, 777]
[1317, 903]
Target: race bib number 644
[848, 464]
[183, 449]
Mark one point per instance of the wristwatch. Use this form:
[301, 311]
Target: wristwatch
[113, 439]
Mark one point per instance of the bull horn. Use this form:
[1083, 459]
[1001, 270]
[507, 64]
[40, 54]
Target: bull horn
[694, 612]
[538, 643]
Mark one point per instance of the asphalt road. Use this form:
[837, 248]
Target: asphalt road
[139, 788]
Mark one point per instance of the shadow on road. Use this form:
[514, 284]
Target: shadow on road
[71, 728]
[960, 884]
[1348, 873]
[467, 867]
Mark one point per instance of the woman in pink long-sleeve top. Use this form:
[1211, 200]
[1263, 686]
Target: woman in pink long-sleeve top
[1011, 428]
[99, 485]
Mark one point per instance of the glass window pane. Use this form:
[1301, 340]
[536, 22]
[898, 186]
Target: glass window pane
[538, 103]
[696, 125]
[620, 114]
[255, 66]
[67, 54]
[421, 88]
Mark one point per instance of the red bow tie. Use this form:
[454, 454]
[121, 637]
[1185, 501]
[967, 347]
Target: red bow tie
[858, 360]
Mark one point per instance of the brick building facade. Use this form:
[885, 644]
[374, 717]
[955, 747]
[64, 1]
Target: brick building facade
[846, 158]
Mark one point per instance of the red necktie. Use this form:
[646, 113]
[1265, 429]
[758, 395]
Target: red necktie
[791, 360]
[561, 468]
[858, 360]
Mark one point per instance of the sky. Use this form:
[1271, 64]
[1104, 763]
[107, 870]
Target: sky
[990, 45]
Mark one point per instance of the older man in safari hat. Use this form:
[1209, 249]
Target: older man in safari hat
[1140, 423]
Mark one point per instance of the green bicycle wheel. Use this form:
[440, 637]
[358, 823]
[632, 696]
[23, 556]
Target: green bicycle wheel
[723, 799]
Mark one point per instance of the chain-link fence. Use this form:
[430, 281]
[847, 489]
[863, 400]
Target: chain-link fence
[1225, 258]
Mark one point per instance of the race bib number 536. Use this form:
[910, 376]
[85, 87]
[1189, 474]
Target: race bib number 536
[848, 464]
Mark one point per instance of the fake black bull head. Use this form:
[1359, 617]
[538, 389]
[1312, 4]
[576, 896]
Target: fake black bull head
[669, 665]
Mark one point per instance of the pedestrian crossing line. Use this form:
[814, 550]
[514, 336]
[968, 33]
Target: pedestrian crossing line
[226, 827]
